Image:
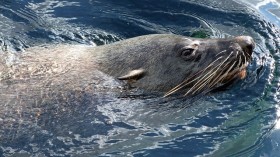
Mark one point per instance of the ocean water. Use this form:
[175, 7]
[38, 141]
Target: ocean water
[241, 121]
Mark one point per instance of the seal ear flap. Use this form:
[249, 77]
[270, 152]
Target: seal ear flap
[133, 75]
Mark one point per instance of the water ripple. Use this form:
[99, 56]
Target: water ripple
[217, 125]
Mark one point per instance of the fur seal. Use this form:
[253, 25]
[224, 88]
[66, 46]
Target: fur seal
[58, 88]
[160, 62]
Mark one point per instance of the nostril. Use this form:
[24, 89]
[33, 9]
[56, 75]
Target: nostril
[249, 49]
[247, 43]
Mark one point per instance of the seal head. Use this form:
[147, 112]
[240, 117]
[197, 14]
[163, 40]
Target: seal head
[173, 63]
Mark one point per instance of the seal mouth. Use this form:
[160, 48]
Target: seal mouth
[223, 71]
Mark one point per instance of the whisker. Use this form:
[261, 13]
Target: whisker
[219, 77]
[245, 60]
[223, 75]
[210, 80]
[239, 62]
[178, 87]
[215, 80]
[181, 85]
[204, 84]
[212, 63]
[221, 52]
[186, 82]
[201, 79]
[247, 54]
[217, 68]
[243, 63]
[211, 72]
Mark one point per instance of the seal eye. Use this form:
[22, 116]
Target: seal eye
[188, 53]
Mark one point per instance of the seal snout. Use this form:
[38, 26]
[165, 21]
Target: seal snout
[246, 43]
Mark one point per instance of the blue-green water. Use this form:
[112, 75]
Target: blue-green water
[242, 121]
